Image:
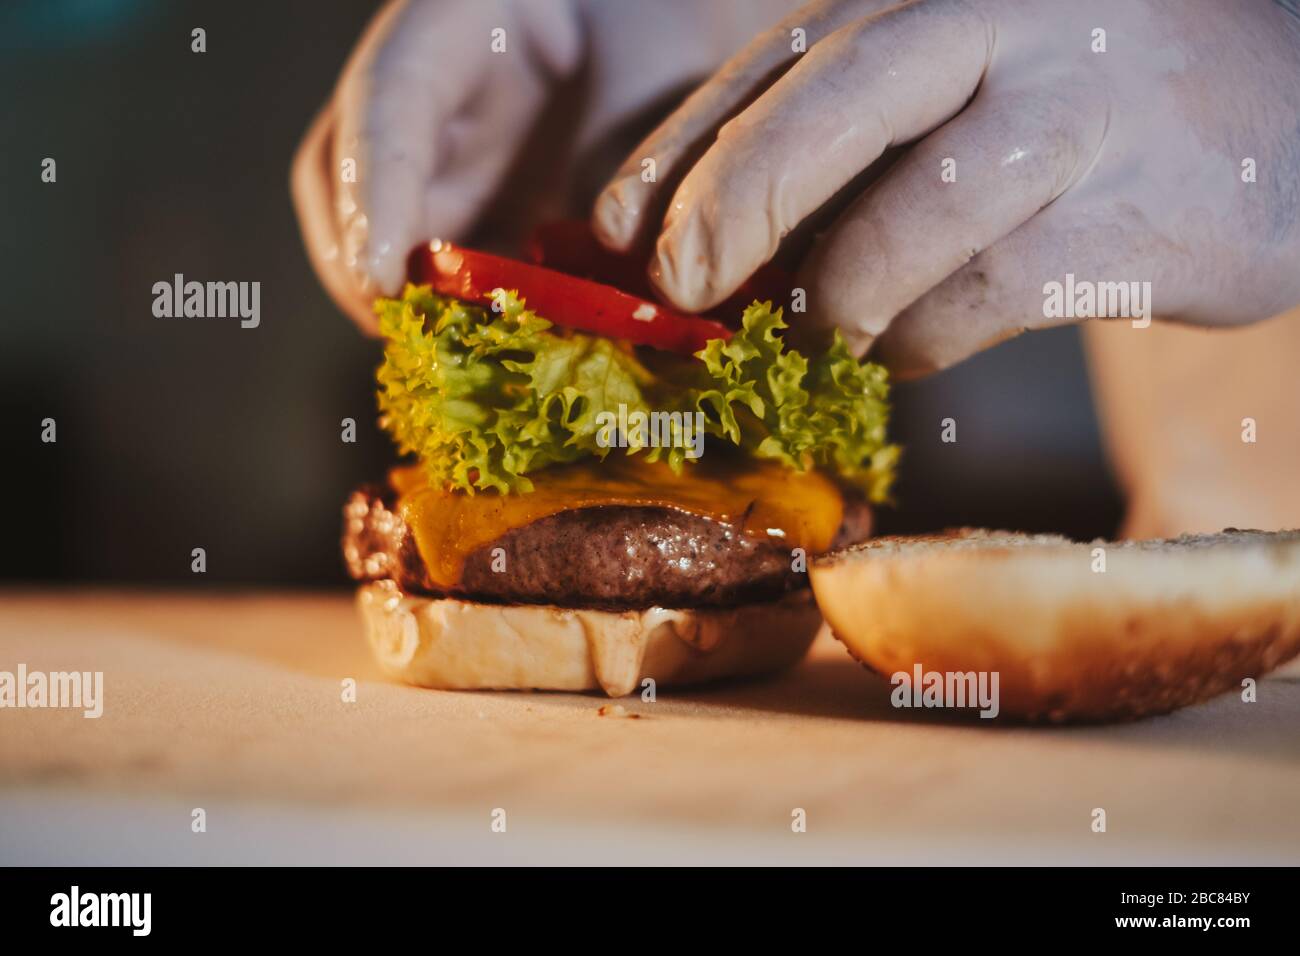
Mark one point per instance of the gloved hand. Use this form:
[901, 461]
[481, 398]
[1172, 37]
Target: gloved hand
[1115, 166]
[433, 116]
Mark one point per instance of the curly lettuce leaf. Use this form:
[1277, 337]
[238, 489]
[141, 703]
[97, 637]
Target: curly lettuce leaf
[830, 412]
[485, 397]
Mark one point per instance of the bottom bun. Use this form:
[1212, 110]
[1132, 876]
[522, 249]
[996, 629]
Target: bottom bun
[460, 645]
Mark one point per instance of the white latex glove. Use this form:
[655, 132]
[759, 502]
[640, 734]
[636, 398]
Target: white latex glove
[1123, 165]
[433, 117]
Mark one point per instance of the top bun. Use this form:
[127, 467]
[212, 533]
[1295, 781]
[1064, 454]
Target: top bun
[1087, 632]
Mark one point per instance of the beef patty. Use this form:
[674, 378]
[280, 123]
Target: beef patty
[612, 557]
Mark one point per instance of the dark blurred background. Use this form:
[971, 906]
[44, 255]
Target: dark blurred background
[176, 434]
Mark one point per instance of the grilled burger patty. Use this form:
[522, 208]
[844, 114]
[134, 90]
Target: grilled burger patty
[612, 557]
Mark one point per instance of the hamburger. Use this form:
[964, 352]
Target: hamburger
[601, 490]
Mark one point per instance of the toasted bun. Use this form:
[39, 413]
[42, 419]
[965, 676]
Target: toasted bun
[461, 645]
[1167, 624]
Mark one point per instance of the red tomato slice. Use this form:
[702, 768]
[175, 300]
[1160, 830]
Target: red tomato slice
[563, 299]
[569, 246]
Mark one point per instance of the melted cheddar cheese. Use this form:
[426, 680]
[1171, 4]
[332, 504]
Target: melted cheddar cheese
[764, 499]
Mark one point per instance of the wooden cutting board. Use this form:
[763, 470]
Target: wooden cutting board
[232, 703]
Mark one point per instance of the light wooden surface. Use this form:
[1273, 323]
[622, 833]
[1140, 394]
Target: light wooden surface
[231, 702]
